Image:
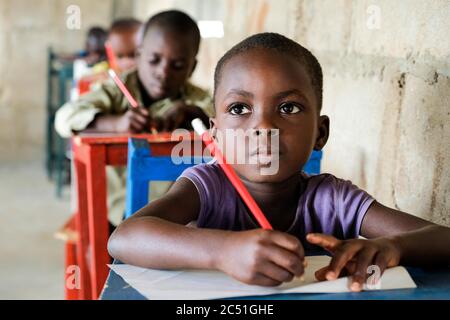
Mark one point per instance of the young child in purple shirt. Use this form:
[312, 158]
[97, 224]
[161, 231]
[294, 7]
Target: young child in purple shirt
[268, 82]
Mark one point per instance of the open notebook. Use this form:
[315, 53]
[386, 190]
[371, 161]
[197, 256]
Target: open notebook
[204, 284]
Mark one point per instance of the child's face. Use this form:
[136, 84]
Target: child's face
[165, 62]
[95, 48]
[124, 45]
[261, 89]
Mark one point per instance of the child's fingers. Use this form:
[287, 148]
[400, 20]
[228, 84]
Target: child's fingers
[286, 260]
[350, 268]
[321, 273]
[141, 110]
[157, 123]
[288, 242]
[342, 256]
[325, 241]
[262, 280]
[364, 259]
[138, 118]
[136, 127]
[138, 124]
[381, 260]
[275, 272]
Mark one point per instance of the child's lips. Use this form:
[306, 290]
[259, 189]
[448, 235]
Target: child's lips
[160, 88]
[265, 152]
[264, 157]
[260, 152]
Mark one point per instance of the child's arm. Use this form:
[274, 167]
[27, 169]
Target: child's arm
[102, 110]
[421, 242]
[157, 237]
[135, 120]
[395, 238]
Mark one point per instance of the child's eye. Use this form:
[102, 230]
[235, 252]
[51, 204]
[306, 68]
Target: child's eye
[154, 60]
[239, 109]
[289, 108]
[178, 65]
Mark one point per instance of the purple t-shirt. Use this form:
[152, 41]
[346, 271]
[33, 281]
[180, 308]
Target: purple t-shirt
[327, 205]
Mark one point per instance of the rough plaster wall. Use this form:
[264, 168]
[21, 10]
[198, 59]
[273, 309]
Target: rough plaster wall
[240, 18]
[387, 90]
[27, 29]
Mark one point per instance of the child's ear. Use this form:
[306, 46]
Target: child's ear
[138, 52]
[323, 132]
[193, 68]
[212, 127]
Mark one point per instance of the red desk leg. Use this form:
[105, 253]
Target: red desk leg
[82, 228]
[71, 292]
[70, 251]
[97, 217]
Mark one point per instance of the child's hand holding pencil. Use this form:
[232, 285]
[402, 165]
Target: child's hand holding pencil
[262, 257]
[135, 120]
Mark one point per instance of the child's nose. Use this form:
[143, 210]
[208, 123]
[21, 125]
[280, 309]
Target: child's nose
[266, 131]
[265, 125]
[162, 72]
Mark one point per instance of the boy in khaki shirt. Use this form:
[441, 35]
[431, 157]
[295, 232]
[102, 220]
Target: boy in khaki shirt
[167, 101]
[123, 39]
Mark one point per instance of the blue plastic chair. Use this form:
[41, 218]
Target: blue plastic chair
[143, 168]
[313, 165]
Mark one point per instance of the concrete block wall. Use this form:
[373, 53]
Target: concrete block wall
[386, 91]
[27, 29]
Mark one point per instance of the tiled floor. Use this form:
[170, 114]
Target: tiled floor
[31, 259]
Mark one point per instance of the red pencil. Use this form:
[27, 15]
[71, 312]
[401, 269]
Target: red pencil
[200, 129]
[111, 57]
[122, 88]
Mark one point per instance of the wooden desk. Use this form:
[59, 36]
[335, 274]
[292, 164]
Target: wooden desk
[92, 153]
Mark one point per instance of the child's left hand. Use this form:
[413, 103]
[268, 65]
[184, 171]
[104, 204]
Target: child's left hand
[353, 257]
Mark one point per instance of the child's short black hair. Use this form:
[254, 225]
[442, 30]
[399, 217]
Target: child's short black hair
[95, 41]
[177, 21]
[283, 45]
[124, 24]
[98, 34]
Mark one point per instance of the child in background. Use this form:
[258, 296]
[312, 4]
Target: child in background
[91, 67]
[167, 100]
[269, 82]
[95, 46]
[123, 39]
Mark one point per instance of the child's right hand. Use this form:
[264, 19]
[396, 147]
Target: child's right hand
[262, 257]
[135, 120]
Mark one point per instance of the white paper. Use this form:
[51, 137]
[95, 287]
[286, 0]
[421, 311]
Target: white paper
[206, 284]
